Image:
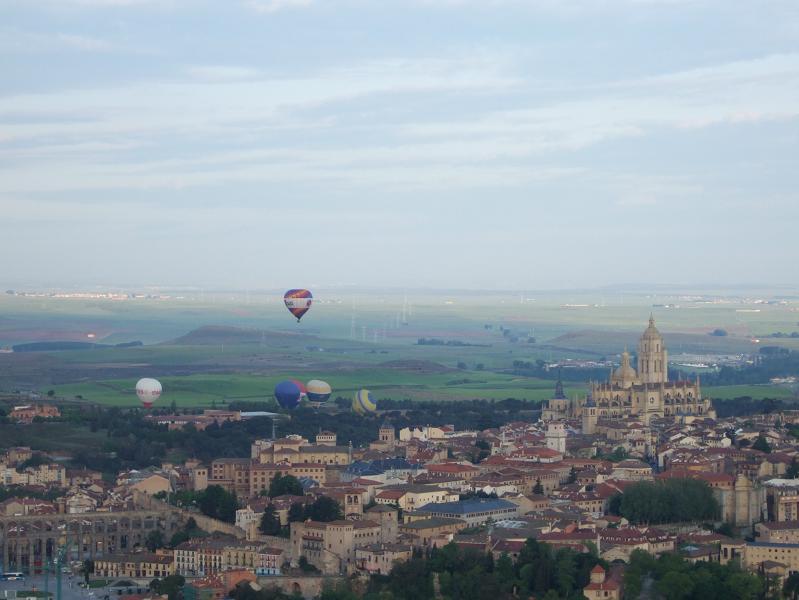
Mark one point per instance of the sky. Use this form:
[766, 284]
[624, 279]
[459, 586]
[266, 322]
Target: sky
[510, 144]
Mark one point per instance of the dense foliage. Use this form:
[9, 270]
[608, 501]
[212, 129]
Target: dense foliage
[282, 485]
[170, 585]
[133, 442]
[666, 501]
[214, 501]
[540, 571]
[677, 579]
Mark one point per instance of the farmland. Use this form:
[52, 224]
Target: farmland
[209, 349]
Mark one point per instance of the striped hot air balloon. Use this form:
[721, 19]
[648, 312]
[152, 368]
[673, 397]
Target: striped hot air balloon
[298, 302]
[362, 403]
[318, 391]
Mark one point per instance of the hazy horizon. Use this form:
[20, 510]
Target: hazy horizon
[437, 144]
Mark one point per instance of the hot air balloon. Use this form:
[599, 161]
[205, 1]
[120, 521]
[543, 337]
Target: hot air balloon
[318, 391]
[362, 403]
[148, 390]
[298, 302]
[288, 394]
[301, 385]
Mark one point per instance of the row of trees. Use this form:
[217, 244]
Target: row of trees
[666, 501]
[540, 571]
[214, 501]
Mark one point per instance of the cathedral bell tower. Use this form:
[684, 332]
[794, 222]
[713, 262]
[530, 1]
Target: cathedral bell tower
[652, 358]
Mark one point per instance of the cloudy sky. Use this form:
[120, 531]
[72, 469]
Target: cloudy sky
[448, 143]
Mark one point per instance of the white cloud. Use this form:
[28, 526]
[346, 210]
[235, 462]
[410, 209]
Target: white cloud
[222, 72]
[83, 42]
[273, 6]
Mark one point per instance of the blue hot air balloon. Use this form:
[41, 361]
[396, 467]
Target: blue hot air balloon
[288, 394]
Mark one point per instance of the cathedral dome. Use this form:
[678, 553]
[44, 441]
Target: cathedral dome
[625, 372]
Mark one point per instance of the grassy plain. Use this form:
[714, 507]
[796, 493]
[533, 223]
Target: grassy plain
[366, 340]
[203, 390]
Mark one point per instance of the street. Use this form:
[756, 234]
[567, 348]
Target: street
[69, 587]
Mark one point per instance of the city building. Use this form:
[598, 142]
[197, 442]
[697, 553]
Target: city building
[645, 392]
[474, 511]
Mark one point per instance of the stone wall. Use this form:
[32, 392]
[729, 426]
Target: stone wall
[307, 586]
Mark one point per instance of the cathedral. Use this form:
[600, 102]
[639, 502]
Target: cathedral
[645, 392]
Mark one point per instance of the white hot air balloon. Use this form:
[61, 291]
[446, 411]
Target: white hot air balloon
[148, 390]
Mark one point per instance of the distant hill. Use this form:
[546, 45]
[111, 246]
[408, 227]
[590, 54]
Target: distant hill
[55, 346]
[214, 335]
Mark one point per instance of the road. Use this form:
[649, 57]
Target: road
[69, 587]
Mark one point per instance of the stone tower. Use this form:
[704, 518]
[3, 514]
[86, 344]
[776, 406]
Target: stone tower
[743, 490]
[590, 416]
[652, 358]
[556, 436]
[386, 435]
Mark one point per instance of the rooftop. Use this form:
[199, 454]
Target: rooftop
[472, 505]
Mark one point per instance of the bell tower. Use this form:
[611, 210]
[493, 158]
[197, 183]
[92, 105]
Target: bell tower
[652, 357]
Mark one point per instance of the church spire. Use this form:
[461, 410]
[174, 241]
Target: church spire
[559, 395]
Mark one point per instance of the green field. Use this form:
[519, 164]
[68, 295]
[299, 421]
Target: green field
[757, 392]
[203, 390]
[348, 339]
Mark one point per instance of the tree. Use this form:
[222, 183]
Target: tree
[762, 444]
[282, 485]
[791, 587]
[538, 488]
[324, 509]
[218, 503]
[572, 475]
[86, 569]
[619, 454]
[305, 566]
[296, 512]
[170, 585]
[793, 469]
[667, 501]
[675, 586]
[154, 540]
[270, 523]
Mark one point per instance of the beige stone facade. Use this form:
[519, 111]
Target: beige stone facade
[645, 392]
